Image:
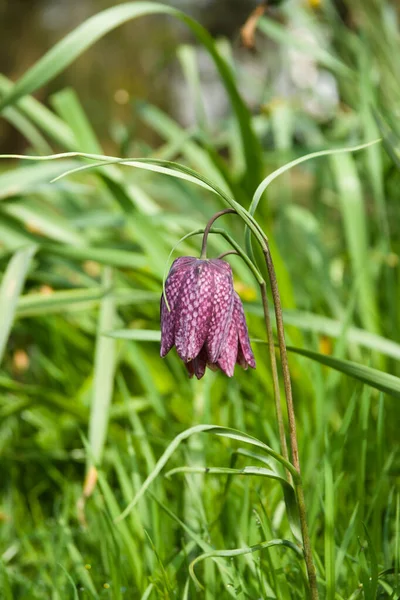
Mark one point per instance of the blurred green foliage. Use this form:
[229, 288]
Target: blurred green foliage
[86, 255]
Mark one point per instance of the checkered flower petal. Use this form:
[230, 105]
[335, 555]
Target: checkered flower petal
[245, 353]
[193, 310]
[222, 310]
[206, 321]
[173, 284]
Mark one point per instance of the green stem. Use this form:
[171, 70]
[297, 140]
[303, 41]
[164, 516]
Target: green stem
[275, 379]
[274, 369]
[312, 576]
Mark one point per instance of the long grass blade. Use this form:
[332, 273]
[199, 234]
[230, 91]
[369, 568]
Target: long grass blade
[241, 552]
[103, 377]
[10, 290]
[84, 36]
[213, 429]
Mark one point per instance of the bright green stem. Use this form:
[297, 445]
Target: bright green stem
[274, 369]
[312, 576]
[275, 379]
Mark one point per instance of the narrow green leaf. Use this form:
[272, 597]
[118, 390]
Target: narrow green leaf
[377, 379]
[329, 534]
[259, 471]
[39, 304]
[36, 215]
[106, 256]
[188, 59]
[373, 377]
[84, 36]
[241, 552]
[5, 583]
[23, 180]
[70, 109]
[166, 127]
[391, 141]
[158, 166]
[103, 377]
[373, 563]
[356, 232]
[226, 571]
[270, 178]
[213, 429]
[138, 335]
[41, 116]
[10, 290]
[72, 582]
[287, 488]
[27, 129]
[80, 299]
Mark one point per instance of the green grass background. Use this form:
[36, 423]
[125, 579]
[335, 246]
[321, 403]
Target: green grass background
[86, 255]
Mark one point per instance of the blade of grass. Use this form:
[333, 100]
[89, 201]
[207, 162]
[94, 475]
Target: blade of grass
[5, 587]
[356, 232]
[377, 379]
[79, 40]
[70, 110]
[268, 180]
[159, 166]
[287, 488]
[213, 429]
[302, 320]
[103, 378]
[34, 304]
[71, 581]
[241, 552]
[41, 116]
[329, 530]
[374, 377]
[106, 256]
[188, 59]
[36, 216]
[10, 290]
[191, 151]
[30, 132]
[23, 180]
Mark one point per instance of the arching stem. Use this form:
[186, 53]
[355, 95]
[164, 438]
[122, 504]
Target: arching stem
[210, 223]
[271, 347]
[312, 576]
[275, 378]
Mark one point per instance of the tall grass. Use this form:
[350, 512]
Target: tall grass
[87, 406]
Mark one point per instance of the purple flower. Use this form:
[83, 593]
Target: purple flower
[206, 321]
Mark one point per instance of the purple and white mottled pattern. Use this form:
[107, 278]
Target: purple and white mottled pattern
[222, 309]
[173, 285]
[206, 322]
[194, 310]
[244, 341]
[227, 358]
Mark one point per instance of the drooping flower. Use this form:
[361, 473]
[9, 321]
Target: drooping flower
[205, 320]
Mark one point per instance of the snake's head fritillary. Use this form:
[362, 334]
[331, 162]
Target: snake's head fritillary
[204, 318]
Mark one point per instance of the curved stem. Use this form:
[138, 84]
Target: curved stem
[275, 379]
[228, 253]
[210, 223]
[271, 347]
[312, 577]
